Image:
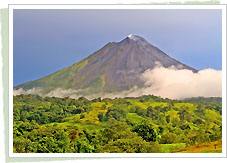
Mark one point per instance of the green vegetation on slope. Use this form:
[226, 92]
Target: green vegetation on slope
[77, 76]
[146, 124]
[64, 77]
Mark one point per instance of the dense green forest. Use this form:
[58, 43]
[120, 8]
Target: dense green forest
[146, 124]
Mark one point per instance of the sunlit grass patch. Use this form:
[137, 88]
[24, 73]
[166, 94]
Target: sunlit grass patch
[168, 148]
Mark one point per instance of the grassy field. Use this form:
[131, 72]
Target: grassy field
[168, 148]
[212, 147]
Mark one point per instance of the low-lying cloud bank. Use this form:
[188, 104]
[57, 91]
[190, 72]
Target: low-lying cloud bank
[30, 91]
[165, 82]
[178, 84]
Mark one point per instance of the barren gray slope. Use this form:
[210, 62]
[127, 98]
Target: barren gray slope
[122, 63]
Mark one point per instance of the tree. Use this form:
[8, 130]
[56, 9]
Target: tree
[129, 145]
[118, 138]
[168, 138]
[146, 130]
[74, 137]
[100, 116]
[116, 113]
[168, 118]
[140, 111]
[85, 143]
[150, 112]
[22, 145]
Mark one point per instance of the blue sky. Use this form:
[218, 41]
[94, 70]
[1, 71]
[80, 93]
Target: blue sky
[48, 40]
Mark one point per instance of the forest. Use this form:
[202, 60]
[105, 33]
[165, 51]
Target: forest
[146, 124]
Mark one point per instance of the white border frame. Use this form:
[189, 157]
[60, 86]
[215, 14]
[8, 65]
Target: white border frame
[117, 155]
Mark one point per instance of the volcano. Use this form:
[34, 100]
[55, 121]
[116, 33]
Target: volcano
[115, 67]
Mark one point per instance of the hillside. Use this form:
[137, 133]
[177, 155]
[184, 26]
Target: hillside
[146, 124]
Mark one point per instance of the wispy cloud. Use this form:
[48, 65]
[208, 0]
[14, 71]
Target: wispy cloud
[30, 91]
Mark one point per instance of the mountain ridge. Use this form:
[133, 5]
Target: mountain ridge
[115, 67]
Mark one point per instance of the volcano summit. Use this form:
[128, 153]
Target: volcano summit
[115, 67]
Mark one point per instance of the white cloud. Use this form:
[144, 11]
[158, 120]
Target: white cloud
[177, 84]
[165, 82]
[59, 92]
[30, 91]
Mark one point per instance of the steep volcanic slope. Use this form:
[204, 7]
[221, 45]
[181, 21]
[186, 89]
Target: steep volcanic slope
[117, 66]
